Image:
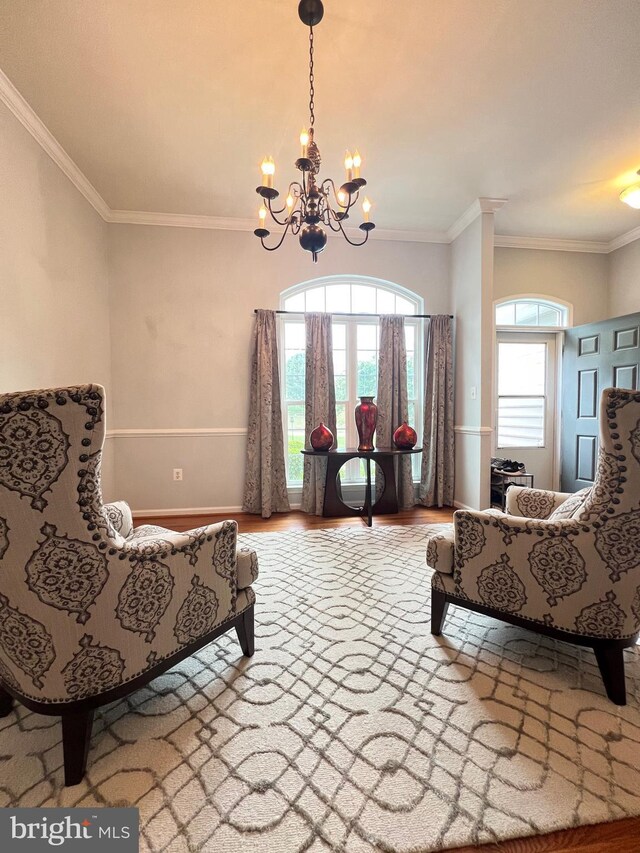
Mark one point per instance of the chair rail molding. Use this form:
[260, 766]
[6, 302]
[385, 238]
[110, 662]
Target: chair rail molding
[473, 430]
[180, 432]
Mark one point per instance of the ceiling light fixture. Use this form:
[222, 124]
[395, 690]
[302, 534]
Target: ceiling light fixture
[631, 195]
[309, 206]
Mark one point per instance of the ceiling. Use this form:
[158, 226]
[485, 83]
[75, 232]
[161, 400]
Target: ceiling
[169, 105]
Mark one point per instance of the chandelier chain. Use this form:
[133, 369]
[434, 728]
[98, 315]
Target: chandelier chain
[312, 91]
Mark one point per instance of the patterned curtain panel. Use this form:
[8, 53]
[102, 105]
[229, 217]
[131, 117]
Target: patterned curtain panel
[320, 404]
[265, 488]
[392, 401]
[436, 481]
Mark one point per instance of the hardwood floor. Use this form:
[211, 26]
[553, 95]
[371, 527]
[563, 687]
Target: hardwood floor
[620, 836]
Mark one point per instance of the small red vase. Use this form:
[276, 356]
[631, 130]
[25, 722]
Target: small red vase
[405, 437]
[321, 438]
[366, 420]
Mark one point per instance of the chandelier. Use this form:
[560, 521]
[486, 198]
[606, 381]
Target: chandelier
[311, 204]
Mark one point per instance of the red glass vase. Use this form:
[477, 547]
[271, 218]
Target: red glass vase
[405, 437]
[366, 420]
[321, 438]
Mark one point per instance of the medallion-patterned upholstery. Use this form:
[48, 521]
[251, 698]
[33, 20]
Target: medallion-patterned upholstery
[87, 602]
[566, 562]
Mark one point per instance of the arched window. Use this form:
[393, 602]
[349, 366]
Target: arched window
[532, 311]
[354, 301]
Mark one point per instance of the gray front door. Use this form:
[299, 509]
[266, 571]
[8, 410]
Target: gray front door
[596, 356]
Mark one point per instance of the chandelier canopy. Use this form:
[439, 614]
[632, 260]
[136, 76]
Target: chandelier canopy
[311, 204]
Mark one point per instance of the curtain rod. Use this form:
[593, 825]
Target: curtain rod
[356, 314]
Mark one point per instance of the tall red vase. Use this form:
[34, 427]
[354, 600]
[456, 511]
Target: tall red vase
[366, 420]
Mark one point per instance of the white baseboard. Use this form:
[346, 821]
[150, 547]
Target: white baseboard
[195, 510]
[187, 510]
[459, 505]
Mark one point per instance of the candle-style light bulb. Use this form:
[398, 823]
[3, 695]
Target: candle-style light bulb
[289, 202]
[342, 198]
[304, 141]
[348, 165]
[262, 215]
[366, 208]
[268, 168]
[357, 162]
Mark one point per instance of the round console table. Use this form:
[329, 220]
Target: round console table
[333, 506]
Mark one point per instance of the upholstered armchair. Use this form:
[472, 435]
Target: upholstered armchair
[91, 608]
[564, 565]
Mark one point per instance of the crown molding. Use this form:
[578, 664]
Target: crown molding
[179, 220]
[624, 239]
[221, 223]
[551, 244]
[479, 206]
[10, 96]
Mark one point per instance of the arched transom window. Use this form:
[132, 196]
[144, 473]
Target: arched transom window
[355, 301]
[532, 311]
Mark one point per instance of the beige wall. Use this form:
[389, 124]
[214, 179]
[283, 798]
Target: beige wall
[54, 319]
[182, 316]
[624, 280]
[576, 277]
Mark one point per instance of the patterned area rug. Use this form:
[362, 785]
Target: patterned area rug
[352, 728]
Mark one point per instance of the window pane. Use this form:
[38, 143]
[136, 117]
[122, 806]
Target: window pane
[295, 418]
[386, 301]
[340, 383]
[409, 337]
[339, 335]
[341, 413]
[526, 314]
[338, 297]
[411, 388]
[506, 315]
[367, 373]
[548, 316]
[521, 422]
[294, 303]
[521, 368]
[295, 443]
[403, 306]
[294, 336]
[367, 336]
[315, 299]
[294, 376]
[363, 299]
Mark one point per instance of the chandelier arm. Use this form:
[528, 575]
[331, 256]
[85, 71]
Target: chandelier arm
[292, 186]
[281, 241]
[350, 242]
[274, 212]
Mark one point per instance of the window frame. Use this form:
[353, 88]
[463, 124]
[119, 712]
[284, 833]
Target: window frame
[351, 321]
[539, 299]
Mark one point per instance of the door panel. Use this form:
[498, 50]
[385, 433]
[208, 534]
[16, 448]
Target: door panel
[526, 405]
[596, 356]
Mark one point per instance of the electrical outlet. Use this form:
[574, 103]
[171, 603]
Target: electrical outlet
[474, 392]
[177, 475]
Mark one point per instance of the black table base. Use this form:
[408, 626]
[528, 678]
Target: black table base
[334, 506]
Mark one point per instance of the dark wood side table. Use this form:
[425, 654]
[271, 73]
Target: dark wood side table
[334, 507]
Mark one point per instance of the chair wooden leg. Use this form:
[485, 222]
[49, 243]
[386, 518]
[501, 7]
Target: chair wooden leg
[76, 735]
[6, 702]
[610, 659]
[439, 607]
[244, 630]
